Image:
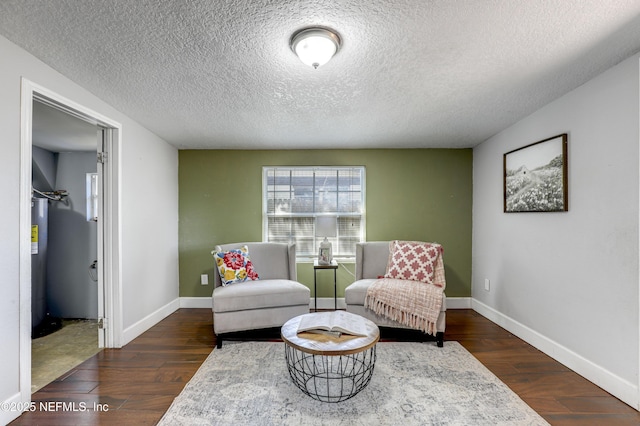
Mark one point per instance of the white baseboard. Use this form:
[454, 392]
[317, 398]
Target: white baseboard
[458, 303]
[616, 386]
[328, 303]
[196, 302]
[10, 414]
[149, 321]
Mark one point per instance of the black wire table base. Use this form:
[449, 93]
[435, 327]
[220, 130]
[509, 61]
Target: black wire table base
[330, 378]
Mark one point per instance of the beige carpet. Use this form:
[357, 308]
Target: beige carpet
[413, 384]
[59, 352]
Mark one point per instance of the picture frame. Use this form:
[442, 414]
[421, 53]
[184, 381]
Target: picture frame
[535, 177]
[324, 256]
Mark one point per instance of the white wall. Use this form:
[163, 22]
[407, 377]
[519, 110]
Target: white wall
[45, 166]
[149, 230]
[149, 195]
[568, 282]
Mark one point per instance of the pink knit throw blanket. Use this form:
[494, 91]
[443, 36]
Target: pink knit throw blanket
[414, 304]
[411, 303]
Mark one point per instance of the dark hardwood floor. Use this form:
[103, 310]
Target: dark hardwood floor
[136, 384]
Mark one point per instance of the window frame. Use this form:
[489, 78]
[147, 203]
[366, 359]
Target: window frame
[361, 215]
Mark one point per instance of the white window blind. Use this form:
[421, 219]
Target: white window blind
[294, 196]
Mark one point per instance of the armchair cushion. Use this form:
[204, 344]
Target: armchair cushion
[358, 291]
[235, 266]
[259, 295]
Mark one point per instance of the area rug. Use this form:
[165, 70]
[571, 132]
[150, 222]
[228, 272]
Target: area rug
[248, 383]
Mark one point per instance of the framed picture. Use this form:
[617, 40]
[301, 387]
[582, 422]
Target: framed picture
[535, 177]
[324, 256]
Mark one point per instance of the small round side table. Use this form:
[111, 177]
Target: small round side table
[327, 368]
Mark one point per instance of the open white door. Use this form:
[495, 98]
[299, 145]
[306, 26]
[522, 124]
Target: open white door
[109, 296]
[100, 189]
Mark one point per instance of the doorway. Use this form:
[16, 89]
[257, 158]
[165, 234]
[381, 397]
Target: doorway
[64, 245]
[104, 267]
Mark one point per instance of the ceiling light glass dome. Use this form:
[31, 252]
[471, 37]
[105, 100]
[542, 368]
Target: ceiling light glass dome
[315, 46]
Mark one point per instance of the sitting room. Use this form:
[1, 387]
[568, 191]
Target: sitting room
[500, 138]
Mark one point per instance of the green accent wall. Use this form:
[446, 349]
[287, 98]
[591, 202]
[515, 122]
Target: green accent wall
[411, 194]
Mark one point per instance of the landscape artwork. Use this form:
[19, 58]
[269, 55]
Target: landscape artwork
[535, 177]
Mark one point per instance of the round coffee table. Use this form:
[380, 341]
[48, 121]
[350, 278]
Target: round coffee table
[327, 368]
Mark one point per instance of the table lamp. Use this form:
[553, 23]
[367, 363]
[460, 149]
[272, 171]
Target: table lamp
[326, 226]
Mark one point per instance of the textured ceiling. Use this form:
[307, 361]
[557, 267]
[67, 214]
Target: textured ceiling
[220, 74]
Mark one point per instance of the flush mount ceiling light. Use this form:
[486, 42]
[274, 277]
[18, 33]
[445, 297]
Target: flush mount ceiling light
[315, 46]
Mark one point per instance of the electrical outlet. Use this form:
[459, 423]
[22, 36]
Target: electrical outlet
[487, 284]
[204, 279]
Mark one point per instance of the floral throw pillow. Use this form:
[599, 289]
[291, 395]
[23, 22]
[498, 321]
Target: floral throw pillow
[413, 260]
[234, 266]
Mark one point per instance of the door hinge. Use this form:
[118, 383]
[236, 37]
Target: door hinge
[102, 157]
[102, 323]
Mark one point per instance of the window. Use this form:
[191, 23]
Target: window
[294, 196]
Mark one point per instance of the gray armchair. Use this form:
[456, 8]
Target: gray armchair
[268, 302]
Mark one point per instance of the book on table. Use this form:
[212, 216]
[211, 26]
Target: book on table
[333, 323]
